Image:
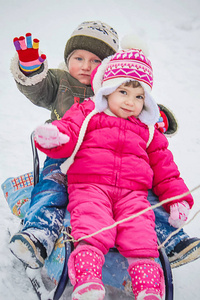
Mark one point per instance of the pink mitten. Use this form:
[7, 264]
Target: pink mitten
[179, 213]
[48, 136]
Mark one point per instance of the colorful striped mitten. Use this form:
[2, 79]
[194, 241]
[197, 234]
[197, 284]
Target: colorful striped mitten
[167, 122]
[162, 123]
[28, 52]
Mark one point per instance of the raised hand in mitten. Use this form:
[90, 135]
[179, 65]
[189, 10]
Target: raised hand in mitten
[28, 52]
[48, 136]
[179, 213]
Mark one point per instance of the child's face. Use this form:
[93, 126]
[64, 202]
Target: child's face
[126, 101]
[81, 64]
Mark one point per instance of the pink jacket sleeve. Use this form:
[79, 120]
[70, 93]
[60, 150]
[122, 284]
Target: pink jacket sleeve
[70, 124]
[167, 182]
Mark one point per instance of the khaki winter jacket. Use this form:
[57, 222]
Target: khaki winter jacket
[54, 89]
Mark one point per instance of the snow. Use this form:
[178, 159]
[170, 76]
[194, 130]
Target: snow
[172, 32]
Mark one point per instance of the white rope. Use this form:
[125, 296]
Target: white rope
[151, 134]
[138, 214]
[177, 230]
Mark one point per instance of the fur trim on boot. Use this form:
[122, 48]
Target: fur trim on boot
[85, 272]
[147, 280]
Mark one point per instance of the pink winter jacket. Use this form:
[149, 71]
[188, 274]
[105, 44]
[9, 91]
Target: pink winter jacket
[114, 152]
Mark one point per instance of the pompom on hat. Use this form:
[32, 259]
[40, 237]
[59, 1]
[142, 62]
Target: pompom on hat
[94, 36]
[129, 64]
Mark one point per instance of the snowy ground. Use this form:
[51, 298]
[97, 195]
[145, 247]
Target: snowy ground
[172, 31]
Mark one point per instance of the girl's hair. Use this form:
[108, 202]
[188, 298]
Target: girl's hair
[133, 84]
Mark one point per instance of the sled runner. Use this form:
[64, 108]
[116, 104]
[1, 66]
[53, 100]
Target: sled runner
[114, 273]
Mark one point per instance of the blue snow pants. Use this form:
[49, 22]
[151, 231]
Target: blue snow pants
[49, 200]
[163, 228]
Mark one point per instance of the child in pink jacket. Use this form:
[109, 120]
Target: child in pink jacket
[117, 154]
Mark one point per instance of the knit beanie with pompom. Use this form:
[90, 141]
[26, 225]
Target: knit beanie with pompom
[93, 36]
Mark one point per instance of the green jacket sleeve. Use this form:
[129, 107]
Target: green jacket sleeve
[53, 89]
[40, 87]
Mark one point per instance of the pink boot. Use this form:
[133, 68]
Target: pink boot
[147, 280]
[85, 272]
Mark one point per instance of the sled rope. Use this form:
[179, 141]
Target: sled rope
[178, 229]
[138, 214]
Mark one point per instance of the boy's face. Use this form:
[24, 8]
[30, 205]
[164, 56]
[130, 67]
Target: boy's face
[126, 101]
[81, 64]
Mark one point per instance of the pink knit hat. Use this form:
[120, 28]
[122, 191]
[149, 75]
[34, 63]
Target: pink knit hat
[130, 64]
[123, 66]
